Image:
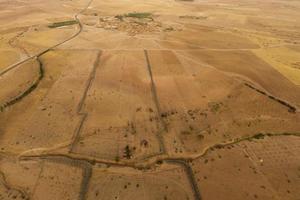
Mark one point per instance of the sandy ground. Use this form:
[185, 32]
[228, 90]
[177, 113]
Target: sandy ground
[106, 99]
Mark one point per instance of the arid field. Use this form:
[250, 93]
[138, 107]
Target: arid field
[149, 100]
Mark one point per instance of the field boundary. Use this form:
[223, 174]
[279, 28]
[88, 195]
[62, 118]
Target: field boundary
[157, 105]
[52, 47]
[291, 109]
[28, 90]
[79, 111]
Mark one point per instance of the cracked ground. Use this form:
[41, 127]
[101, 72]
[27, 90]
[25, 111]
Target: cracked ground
[151, 100]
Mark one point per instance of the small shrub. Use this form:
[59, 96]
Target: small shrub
[120, 17]
[259, 136]
[117, 158]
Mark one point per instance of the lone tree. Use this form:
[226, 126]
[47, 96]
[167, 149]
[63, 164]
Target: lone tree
[127, 152]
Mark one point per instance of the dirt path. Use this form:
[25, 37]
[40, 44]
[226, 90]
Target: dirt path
[28, 90]
[156, 102]
[80, 105]
[52, 47]
[36, 56]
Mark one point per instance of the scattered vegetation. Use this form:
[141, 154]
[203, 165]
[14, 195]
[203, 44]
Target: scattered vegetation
[64, 23]
[215, 107]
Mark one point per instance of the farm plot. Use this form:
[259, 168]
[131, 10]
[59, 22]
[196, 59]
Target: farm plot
[47, 118]
[122, 121]
[247, 66]
[285, 60]
[8, 57]
[41, 179]
[257, 169]
[39, 38]
[59, 180]
[12, 88]
[167, 181]
[205, 37]
[202, 106]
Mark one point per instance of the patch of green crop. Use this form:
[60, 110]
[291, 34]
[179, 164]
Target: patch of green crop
[139, 15]
[64, 23]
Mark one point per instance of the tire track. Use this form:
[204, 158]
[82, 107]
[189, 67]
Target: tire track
[157, 105]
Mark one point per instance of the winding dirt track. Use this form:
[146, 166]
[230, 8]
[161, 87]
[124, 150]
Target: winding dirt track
[52, 47]
[29, 89]
[36, 57]
[86, 162]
